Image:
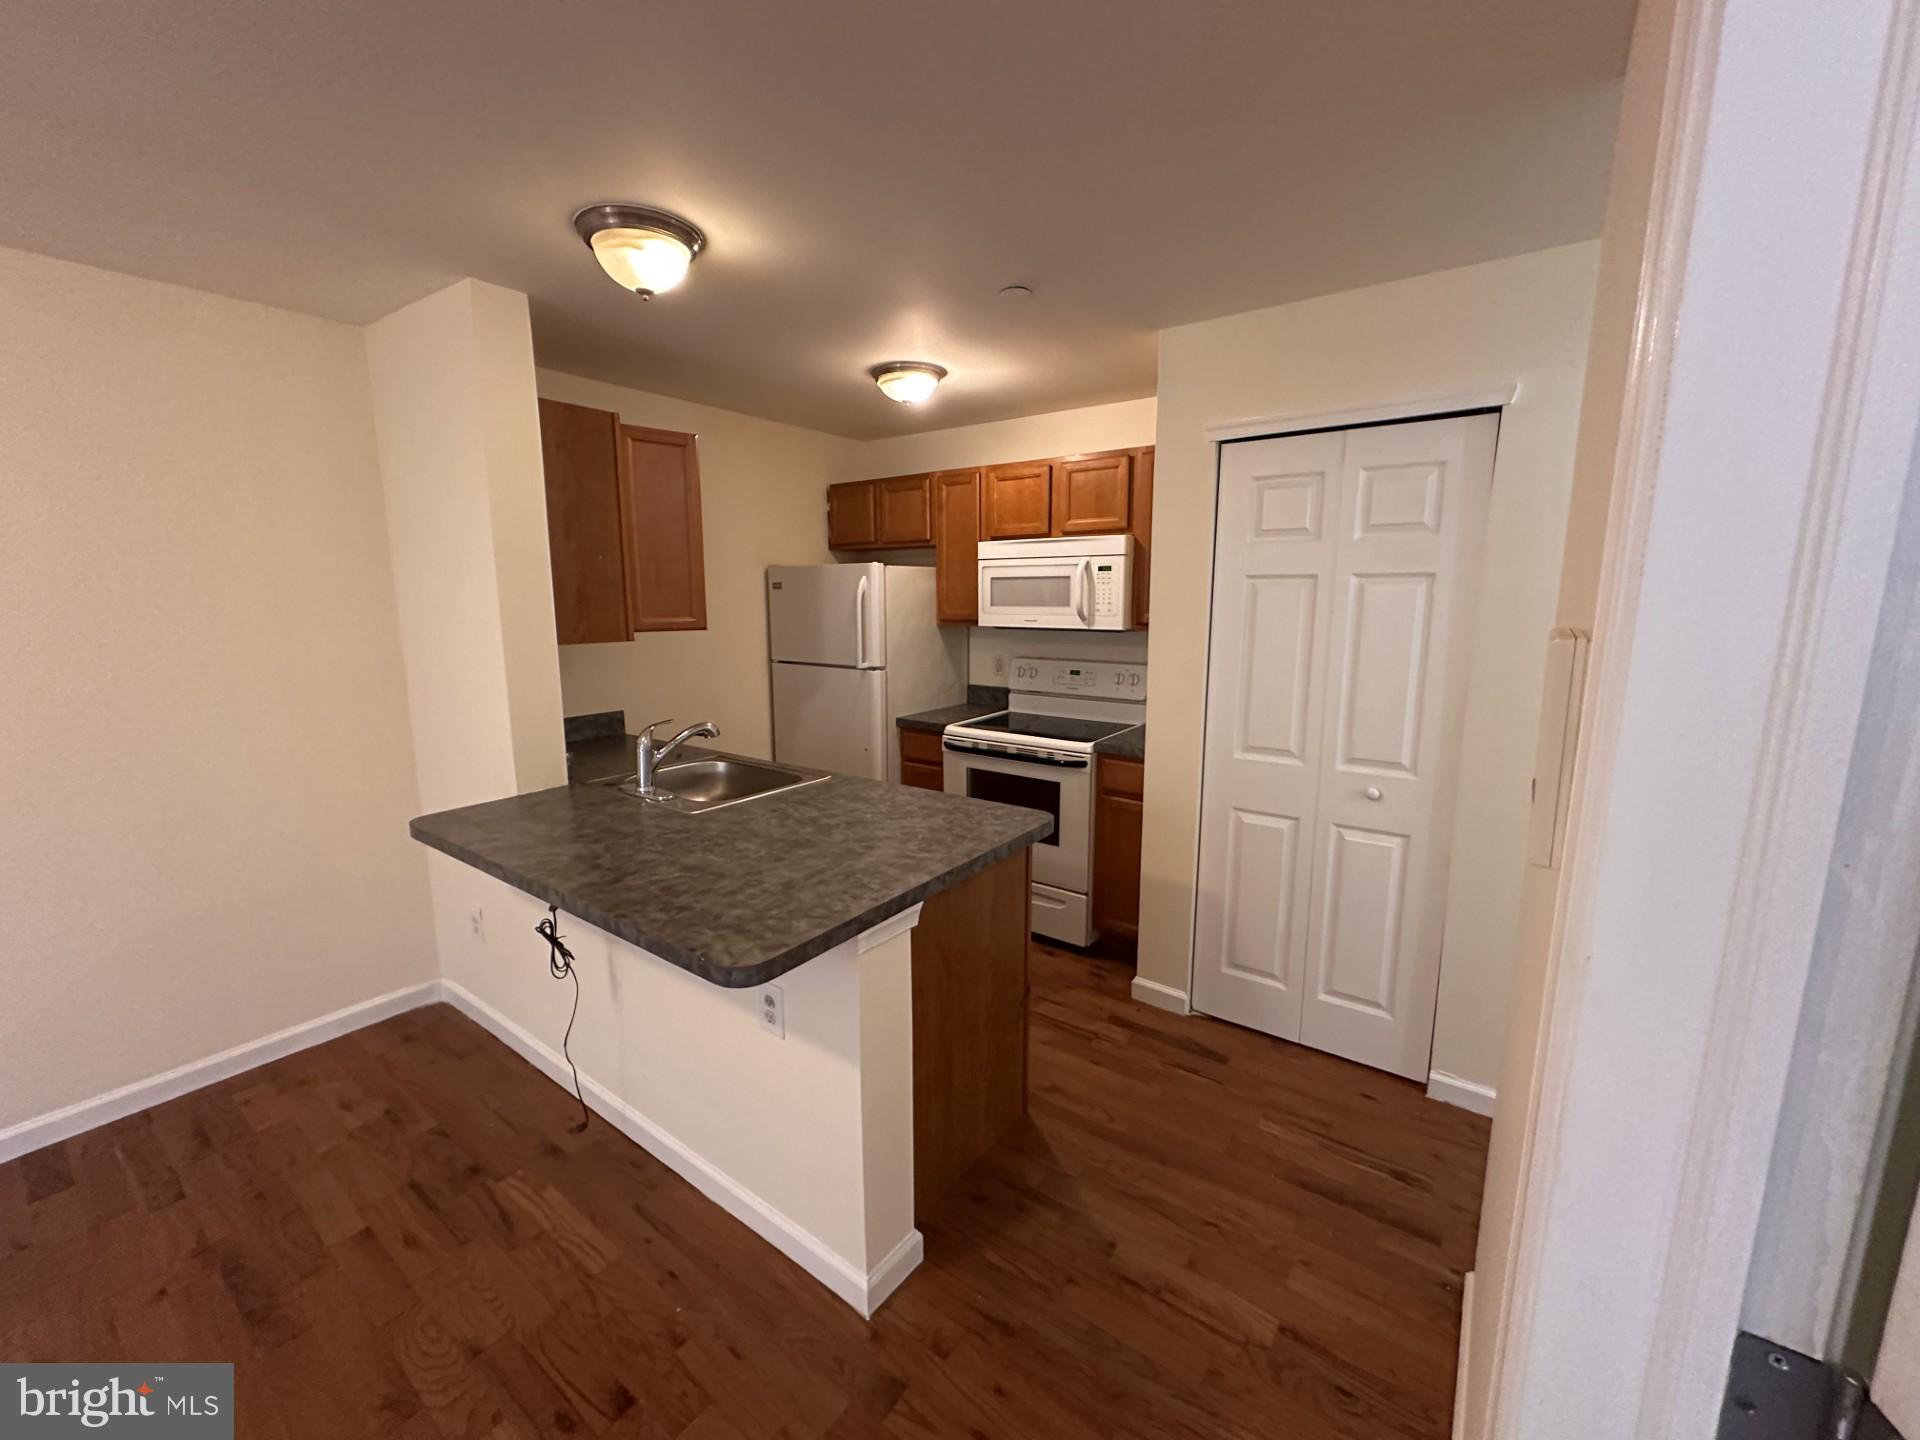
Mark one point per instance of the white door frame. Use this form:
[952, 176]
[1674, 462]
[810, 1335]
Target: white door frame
[1765, 444]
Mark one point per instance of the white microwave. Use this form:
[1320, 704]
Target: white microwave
[1074, 582]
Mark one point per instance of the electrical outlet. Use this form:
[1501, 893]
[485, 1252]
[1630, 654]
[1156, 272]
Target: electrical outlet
[478, 919]
[773, 1010]
[999, 667]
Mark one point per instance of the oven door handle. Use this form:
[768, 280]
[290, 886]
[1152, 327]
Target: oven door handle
[1057, 762]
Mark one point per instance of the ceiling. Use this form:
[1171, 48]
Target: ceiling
[869, 174]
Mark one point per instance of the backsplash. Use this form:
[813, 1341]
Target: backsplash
[985, 646]
[597, 726]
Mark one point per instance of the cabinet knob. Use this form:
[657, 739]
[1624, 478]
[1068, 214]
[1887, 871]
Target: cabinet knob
[1373, 792]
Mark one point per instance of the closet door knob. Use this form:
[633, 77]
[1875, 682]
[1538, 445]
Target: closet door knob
[1373, 792]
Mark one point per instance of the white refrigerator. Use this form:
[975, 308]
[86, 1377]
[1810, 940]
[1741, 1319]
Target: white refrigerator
[853, 647]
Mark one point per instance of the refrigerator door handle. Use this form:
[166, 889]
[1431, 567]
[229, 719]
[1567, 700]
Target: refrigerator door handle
[860, 624]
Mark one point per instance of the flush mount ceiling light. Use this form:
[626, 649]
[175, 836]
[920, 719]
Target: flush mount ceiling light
[908, 381]
[645, 250]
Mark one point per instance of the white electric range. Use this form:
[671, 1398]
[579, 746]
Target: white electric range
[1039, 752]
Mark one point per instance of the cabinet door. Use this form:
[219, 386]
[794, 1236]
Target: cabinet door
[922, 760]
[851, 521]
[1142, 528]
[956, 542]
[903, 509]
[666, 550]
[1117, 817]
[580, 450]
[1091, 496]
[1018, 501]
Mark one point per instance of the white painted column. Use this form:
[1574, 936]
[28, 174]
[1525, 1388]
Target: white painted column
[458, 430]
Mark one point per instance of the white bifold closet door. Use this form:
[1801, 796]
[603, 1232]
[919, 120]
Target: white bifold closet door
[1344, 569]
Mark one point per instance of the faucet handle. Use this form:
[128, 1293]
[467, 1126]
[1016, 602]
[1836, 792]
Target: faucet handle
[647, 733]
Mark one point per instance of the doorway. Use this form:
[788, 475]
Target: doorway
[1345, 565]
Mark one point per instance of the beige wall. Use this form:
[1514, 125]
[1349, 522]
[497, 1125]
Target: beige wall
[458, 432]
[1521, 322]
[763, 498]
[205, 770]
[1118, 426]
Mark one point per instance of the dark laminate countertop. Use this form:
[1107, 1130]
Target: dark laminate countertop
[739, 895]
[934, 721]
[1129, 743]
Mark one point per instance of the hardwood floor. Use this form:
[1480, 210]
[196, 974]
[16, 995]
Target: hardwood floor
[1199, 1232]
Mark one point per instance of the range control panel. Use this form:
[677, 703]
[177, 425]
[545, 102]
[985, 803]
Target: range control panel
[1106, 679]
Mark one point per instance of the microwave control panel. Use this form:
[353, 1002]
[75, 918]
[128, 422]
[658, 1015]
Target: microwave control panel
[1106, 591]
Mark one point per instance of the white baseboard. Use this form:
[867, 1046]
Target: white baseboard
[1460, 1369]
[888, 1274]
[863, 1291]
[1467, 1094]
[77, 1119]
[1161, 997]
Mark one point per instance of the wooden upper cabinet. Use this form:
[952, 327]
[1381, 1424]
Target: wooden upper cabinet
[1017, 501]
[580, 450]
[1092, 495]
[851, 518]
[666, 551]
[956, 546]
[903, 507]
[1142, 528]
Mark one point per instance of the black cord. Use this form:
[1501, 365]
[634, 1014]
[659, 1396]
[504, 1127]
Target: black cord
[560, 966]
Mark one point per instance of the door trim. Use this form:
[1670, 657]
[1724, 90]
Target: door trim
[1426, 407]
[1644, 1350]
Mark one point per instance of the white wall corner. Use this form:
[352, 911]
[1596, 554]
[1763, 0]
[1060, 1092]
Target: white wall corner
[888, 928]
[1467, 1094]
[886, 1277]
[1161, 997]
[70, 1120]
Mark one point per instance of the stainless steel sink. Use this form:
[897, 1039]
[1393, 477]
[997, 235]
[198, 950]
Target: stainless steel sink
[712, 782]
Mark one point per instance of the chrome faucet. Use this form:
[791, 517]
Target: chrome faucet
[650, 753]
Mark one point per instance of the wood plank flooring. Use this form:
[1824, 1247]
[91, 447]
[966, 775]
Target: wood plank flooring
[1200, 1232]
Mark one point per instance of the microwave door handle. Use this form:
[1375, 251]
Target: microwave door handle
[1083, 584]
[860, 624]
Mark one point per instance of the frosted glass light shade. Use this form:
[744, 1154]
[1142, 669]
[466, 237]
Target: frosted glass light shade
[908, 381]
[643, 250]
[647, 261]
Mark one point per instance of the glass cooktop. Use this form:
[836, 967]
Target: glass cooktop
[1048, 727]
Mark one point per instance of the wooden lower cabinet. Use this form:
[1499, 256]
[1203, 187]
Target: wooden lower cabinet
[1119, 787]
[969, 1024]
[923, 762]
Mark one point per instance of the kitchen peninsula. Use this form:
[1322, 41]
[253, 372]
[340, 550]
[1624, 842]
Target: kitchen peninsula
[812, 1004]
